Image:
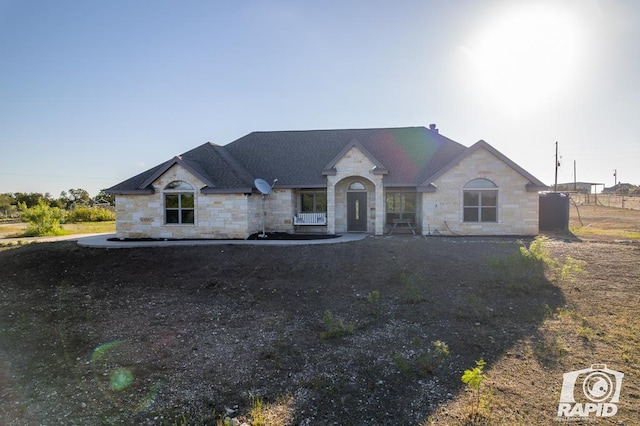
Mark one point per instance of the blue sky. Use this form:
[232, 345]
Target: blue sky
[94, 92]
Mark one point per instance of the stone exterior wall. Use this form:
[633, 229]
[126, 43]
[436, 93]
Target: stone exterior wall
[239, 215]
[442, 210]
[280, 208]
[354, 164]
[216, 215]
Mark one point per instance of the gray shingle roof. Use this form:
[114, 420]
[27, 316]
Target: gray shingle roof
[408, 155]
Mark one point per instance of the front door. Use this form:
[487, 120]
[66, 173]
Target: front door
[356, 211]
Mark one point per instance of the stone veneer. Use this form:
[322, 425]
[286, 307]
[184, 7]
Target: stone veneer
[355, 165]
[216, 215]
[517, 209]
[239, 215]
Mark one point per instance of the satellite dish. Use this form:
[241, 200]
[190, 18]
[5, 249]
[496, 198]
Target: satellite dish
[263, 186]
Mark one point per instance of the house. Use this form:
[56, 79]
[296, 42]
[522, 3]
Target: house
[331, 181]
[619, 188]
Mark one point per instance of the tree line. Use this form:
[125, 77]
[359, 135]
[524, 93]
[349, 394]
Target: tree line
[67, 200]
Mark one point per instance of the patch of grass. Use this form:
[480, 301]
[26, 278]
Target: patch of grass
[594, 232]
[401, 362]
[336, 327]
[257, 412]
[373, 297]
[431, 359]
[425, 362]
[526, 269]
[411, 289]
[17, 230]
[13, 229]
[550, 349]
[586, 333]
[90, 227]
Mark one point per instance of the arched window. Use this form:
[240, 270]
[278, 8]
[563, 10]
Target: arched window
[357, 186]
[480, 201]
[179, 203]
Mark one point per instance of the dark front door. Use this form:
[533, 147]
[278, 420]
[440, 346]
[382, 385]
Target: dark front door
[356, 211]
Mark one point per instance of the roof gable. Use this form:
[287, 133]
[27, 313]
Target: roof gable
[406, 156]
[533, 185]
[302, 159]
[169, 164]
[379, 169]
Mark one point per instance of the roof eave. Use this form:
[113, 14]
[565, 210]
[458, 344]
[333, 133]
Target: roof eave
[208, 190]
[533, 187]
[427, 188]
[144, 191]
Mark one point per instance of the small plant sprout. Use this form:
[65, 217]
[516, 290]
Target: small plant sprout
[474, 378]
[373, 297]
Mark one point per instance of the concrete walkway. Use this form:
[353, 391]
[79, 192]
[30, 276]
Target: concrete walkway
[102, 241]
[29, 240]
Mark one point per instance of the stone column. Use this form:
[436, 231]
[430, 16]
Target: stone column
[380, 206]
[331, 206]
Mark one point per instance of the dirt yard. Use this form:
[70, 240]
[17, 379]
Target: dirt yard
[374, 332]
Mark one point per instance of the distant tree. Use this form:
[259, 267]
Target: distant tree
[103, 197]
[75, 196]
[30, 199]
[7, 204]
[58, 202]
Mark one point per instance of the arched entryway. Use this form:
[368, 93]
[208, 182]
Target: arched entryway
[356, 207]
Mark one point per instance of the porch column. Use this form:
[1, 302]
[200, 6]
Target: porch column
[380, 207]
[331, 206]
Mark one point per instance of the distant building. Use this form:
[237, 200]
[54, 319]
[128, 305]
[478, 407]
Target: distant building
[581, 187]
[620, 188]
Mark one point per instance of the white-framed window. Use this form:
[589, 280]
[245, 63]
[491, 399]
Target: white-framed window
[313, 202]
[401, 205]
[480, 201]
[179, 203]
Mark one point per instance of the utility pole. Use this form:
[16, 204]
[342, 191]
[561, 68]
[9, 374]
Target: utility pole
[555, 185]
[575, 183]
[615, 177]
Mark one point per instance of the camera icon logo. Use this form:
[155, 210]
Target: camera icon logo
[590, 391]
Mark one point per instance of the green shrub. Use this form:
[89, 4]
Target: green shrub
[336, 327]
[90, 214]
[42, 218]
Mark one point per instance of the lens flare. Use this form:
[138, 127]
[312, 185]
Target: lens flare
[121, 379]
[113, 368]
